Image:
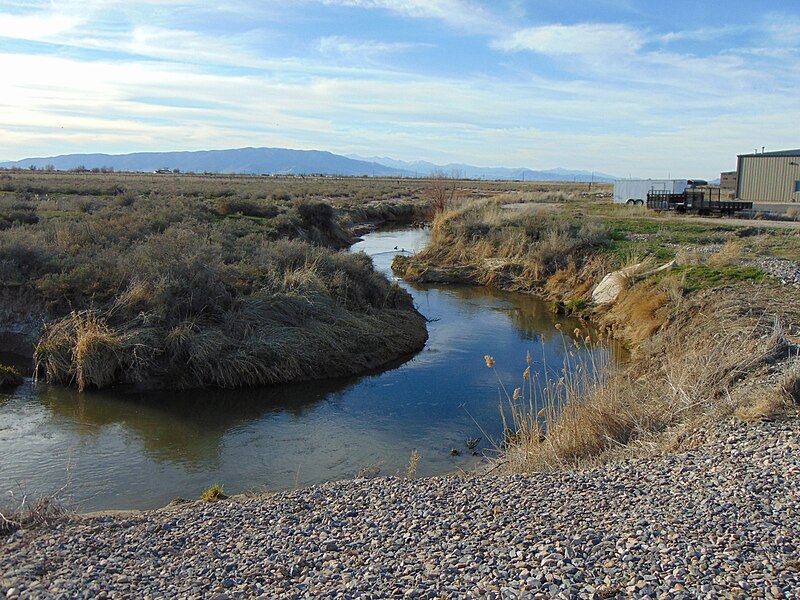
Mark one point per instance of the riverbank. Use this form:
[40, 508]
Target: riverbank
[681, 480]
[712, 337]
[719, 519]
[193, 281]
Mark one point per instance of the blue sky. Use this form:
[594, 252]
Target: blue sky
[620, 86]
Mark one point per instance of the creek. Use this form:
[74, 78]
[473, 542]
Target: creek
[126, 450]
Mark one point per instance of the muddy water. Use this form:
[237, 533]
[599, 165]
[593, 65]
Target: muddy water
[112, 449]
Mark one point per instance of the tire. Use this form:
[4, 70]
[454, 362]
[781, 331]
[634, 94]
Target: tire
[639, 203]
[630, 202]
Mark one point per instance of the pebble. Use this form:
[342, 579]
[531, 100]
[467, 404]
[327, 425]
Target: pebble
[720, 520]
[782, 269]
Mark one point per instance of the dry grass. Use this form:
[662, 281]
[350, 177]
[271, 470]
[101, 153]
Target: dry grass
[694, 368]
[201, 304]
[690, 256]
[24, 512]
[577, 283]
[306, 322]
[766, 402]
[730, 254]
[190, 280]
[413, 463]
[761, 405]
[505, 248]
[82, 350]
[638, 312]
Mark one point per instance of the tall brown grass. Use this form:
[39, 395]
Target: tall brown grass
[314, 314]
[730, 254]
[690, 370]
[183, 281]
[503, 247]
[24, 511]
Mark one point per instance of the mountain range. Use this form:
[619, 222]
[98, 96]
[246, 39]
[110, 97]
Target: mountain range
[423, 168]
[282, 161]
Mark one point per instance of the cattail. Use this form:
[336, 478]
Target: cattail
[588, 340]
[529, 357]
[558, 326]
[489, 361]
[577, 332]
[526, 373]
[517, 392]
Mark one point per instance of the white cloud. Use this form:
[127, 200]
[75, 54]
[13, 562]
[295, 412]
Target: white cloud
[611, 95]
[703, 34]
[184, 46]
[585, 39]
[362, 50]
[37, 27]
[458, 13]
[783, 29]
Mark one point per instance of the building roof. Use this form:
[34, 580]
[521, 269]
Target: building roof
[778, 153]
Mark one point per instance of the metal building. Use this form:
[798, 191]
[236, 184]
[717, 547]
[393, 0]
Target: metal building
[769, 176]
[728, 180]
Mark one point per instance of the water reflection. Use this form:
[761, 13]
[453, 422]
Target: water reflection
[185, 427]
[530, 316]
[127, 449]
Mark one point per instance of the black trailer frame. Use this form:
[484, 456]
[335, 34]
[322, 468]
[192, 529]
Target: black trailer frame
[695, 202]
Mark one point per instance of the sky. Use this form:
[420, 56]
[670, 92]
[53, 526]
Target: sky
[626, 87]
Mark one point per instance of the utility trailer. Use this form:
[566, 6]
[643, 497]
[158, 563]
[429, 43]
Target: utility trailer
[695, 202]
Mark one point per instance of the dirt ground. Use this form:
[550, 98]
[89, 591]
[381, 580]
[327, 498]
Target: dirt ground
[733, 221]
[555, 207]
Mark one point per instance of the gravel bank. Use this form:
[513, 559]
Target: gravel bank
[719, 520]
[784, 270]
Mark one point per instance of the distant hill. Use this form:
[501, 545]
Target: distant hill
[243, 160]
[281, 161]
[422, 168]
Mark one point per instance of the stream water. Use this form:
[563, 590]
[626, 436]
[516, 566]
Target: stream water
[110, 449]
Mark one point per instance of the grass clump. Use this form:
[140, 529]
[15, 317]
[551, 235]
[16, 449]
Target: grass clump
[698, 366]
[190, 319]
[17, 513]
[764, 402]
[504, 248]
[10, 377]
[413, 463]
[213, 494]
[190, 281]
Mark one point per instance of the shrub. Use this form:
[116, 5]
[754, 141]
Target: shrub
[150, 284]
[690, 371]
[242, 206]
[9, 377]
[213, 494]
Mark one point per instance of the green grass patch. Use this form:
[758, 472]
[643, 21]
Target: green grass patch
[660, 239]
[699, 277]
[576, 306]
[213, 494]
